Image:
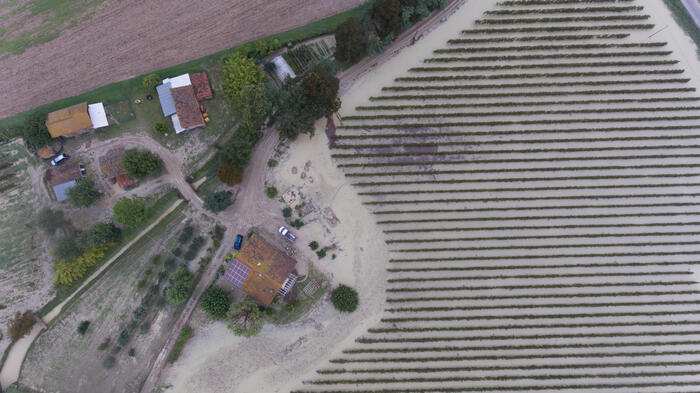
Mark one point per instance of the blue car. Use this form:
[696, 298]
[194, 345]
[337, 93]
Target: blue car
[239, 241]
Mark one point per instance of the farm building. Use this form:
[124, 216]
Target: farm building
[76, 119]
[262, 271]
[113, 169]
[282, 68]
[179, 98]
[63, 177]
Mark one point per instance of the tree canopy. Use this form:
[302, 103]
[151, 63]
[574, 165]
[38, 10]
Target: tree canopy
[253, 106]
[150, 81]
[238, 72]
[344, 298]
[84, 193]
[130, 212]
[102, 233]
[245, 318]
[141, 163]
[229, 173]
[179, 292]
[387, 16]
[21, 325]
[66, 248]
[215, 302]
[294, 113]
[218, 201]
[322, 87]
[51, 220]
[350, 41]
[35, 132]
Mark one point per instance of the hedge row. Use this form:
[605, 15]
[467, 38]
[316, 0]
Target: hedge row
[513, 357]
[522, 347]
[560, 236]
[544, 305]
[523, 85]
[490, 317]
[530, 11]
[518, 122]
[550, 256]
[530, 94]
[546, 207]
[544, 276]
[569, 37]
[537, 247]
[510, 388]
[516, 113]
[514, 3]
[546, 65]
[563, 19]
[435, 78]
[532, 286]
[549, 47]
[524, 218]
[534, 326]
[542, 57]
[559, 29]
[554, 266]
[518, 103]
[546, 296]
[517, 180]
[575, 226]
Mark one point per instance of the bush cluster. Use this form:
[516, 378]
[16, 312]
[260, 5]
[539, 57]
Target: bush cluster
[344, 298]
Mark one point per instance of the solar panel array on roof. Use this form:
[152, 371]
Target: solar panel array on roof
[237, 273]
[166, 99]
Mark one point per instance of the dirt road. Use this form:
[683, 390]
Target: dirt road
[132, 37]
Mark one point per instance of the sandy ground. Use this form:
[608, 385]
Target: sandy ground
[124, 39]
[215, 360]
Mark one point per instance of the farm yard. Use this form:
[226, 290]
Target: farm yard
[124, 333]
[536, 178]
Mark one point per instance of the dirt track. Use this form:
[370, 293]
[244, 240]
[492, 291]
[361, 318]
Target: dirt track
[128, 38]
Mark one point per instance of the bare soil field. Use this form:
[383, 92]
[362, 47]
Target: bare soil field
[123, 39]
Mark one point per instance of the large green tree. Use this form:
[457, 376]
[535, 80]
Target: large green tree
[141, 163]
[322, 88]
[295, 113]
[215, 302]
[130, 212]
[179, 292]
[238, 72]
[218, 201]
[66, 248]
[387, 16]
[245, 318]
[102, 233]
[35, 132]
[253, 107]
[350, 41]
[84, 193]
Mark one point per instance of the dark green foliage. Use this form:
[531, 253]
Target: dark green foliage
[144, 328]
[215, 303]
[271, 192]
[387, 16]
[150, 81]
[193, 249]
[130, 212]
[622, 26]
[20, 325]
[287, 212]
[272, 163]
[322, 87]
[218, 201]
[109, 362]
[313, 245]
[141, 163]
[83, 327]
[297, 223]
[562, 37]
[350, 41]
[132, 352]
[238, 149]
[245, 318]
[139, 313]
[35, 132]
[179, 292]
[66, 248]
[124, 337]
[160, 128]
[51, 220]
[101, 234]
[321, 253]
[185, 234]
[185, 334]
[344, 298]
[83, 193]
[177, 251]
[253, 107]
[295, 115]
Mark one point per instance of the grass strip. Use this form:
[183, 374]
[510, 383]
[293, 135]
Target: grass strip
[545, 305]
[520, 3]
[546, 66]
[542, 286]
[563, 19]
[543, 198]
[548, 246]
[543, 316]
[510, 388]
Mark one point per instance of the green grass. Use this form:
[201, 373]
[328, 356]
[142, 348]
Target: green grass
[684, 20]
[132, 87]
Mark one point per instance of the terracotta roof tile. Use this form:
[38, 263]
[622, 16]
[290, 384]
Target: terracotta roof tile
[187, 107]
[200, 83]
[269, 268]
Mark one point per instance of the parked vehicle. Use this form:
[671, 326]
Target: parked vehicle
[239, 241]
[284, 231]
[59, 159]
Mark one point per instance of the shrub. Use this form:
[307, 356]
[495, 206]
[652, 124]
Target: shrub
[322, 88]
[102, 234]
[271, 192]
[124, 337]
[185, 334]
[294, 113]
[109, 362]
[344, 298]
[272, 163]
[387, 15]
[83, 327]
[245, 318]
[144, 328]
[287, 212]
[20, 325]
[132, 352]
[139, 313]
[160, 128]
[141, 163]
[229, 173]
[297, 223]
[238, 149]
[313, 245]
[104, 344]
[150, 81]
[34, 131]
[83, 193]
[177, 252]
[185, 234]
[321, 253]
[193, 249]
[218, 201]
[51, 220]
[66, 248]
[130, 212]
[179, 292]
[215, 302]
[350, 41]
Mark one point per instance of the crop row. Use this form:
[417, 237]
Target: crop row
[542, 57]
[536, 75]
[531, 94]
[559, 29]
[543, 305]
[508, 388]
[534, 247]
[563, 19]
[635, 354]
[524, 85]
[399, 116]
[527, 218]
[552, 266]
[544, 276]
[522, 103]
[559, 236]
[547, 207]
[521, 48]
[546, 65]
[519, 3]
[530, 11]
[538, 198]
[531, 286]
[517, 180]
[532, 296]
[363, 340]
[546, 256]
[567, 316]
[514, 122]
[574, 226]
[568, 37]
[534, 326]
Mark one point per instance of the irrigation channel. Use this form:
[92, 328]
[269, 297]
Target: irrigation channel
[537, 180]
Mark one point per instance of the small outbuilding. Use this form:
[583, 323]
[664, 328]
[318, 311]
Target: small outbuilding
[76, 119]
[63, 177]
[261, 270]
[113, 169]
[178, 100]
[202, 89]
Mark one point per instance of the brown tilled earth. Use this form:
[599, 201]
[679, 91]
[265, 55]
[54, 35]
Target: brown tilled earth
[131, 37]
